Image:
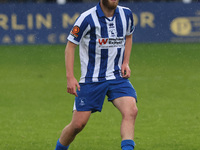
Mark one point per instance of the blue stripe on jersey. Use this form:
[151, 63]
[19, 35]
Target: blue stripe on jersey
[132, 23]
[91, 51]
[116, 72]
[128, 15]
[119, 26]
[103, 64]
[104, 30]
[104, 52]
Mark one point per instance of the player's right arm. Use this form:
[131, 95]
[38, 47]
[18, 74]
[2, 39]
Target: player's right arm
[72, 83]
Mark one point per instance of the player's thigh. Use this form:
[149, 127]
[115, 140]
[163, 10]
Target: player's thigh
[126, 105]
[80, 118]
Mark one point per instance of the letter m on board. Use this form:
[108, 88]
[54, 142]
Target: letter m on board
[103, 41]
[67, 20]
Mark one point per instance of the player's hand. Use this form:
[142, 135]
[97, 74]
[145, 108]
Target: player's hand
[126, 71]
[72, 84]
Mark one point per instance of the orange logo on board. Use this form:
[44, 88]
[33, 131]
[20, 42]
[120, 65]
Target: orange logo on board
[75, 31]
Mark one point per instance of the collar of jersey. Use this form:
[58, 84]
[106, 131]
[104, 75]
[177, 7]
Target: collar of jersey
[100, 12]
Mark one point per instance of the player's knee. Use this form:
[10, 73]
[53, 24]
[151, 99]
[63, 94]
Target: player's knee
[78, 126]
[131, 113]
[135, 111]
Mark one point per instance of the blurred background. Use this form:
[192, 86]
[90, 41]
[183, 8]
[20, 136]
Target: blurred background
[65, 1]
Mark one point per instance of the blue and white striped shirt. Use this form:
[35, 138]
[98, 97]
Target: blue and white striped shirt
[101, 42]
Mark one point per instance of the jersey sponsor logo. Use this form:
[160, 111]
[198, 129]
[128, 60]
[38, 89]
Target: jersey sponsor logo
[111, 42]
[75, 31]
[103, 41]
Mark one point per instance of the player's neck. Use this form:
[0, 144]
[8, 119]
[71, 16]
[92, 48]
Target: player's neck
[107, 12]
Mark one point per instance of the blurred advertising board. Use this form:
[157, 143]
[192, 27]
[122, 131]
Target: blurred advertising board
[51, 23]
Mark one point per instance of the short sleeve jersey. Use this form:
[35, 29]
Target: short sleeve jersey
[101, 42]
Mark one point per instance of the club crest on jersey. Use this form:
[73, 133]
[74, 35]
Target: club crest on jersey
[74, 32]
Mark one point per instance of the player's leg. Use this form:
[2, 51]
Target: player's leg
[79, 120]
[127, 106]
[90, 99]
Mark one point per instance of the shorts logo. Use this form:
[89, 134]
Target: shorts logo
[75, 31]
[103, 41]
[82, 101]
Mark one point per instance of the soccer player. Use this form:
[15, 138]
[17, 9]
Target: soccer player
[104, 36]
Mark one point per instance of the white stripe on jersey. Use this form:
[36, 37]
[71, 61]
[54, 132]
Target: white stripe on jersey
[124, 31]
[84, 54]
[98, 51]
[123, 18]
[111, 53]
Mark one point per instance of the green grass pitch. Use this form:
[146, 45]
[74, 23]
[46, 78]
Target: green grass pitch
[34, 104]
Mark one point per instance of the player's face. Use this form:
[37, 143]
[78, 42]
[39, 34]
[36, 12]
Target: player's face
[110, 4]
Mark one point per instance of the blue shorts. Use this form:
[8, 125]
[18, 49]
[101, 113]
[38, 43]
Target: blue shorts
[91, 95]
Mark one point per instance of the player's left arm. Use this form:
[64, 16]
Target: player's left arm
[125, 69]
